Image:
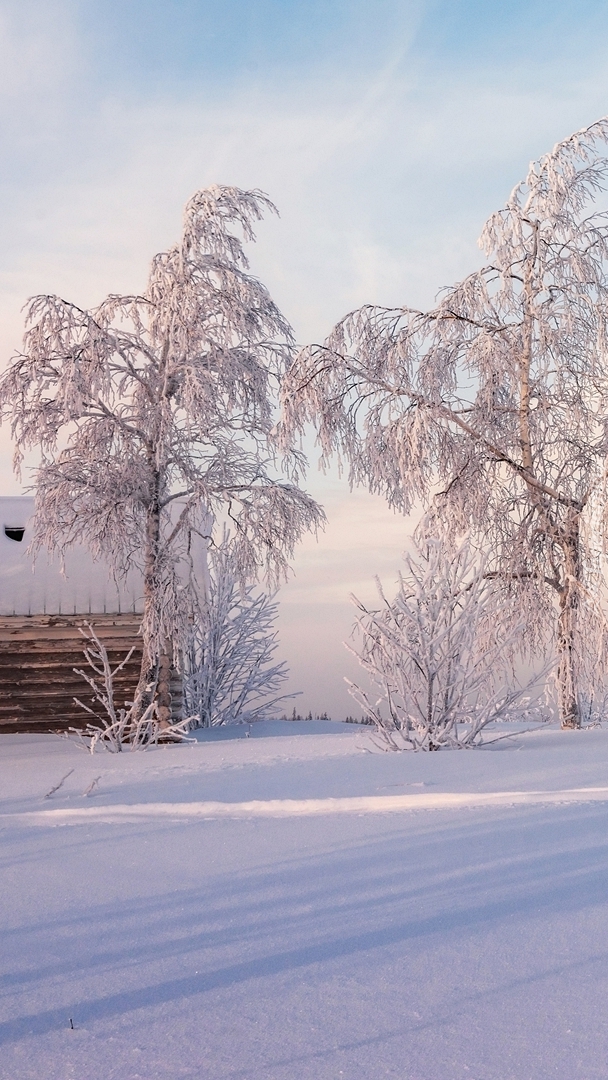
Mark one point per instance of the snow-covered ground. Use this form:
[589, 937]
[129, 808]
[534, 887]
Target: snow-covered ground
[348, 914]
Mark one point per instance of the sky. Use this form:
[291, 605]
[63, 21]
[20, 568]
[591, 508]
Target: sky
[385, 132]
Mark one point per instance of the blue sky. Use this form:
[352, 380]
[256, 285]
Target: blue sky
[385, 132]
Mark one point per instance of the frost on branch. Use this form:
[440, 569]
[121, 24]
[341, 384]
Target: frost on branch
[116, 727]
[437, 655]
[492, 408]
[231, 675]
[153, 416]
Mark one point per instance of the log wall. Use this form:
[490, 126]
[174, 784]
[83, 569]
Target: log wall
[38, 654]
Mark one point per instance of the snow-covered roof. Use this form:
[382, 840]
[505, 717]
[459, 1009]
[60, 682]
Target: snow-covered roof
[85, 587]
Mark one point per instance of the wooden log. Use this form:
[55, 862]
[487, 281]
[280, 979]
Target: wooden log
[38, 654]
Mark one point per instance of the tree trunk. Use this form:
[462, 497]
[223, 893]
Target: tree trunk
[569, 712]
[163, 691]
[149, 673]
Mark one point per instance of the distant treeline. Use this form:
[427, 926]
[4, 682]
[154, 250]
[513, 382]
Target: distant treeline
[323, 716]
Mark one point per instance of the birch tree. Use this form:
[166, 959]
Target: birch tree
[152, 414]
[492, 408]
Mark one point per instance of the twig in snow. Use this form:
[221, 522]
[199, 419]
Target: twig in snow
[57, 786]
[91, 786]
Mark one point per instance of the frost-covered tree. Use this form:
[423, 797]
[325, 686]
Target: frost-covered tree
[492, 408]
[231, 674]
[438, 654]
[152, 414]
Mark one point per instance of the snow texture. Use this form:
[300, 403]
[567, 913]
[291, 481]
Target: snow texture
[285, 905]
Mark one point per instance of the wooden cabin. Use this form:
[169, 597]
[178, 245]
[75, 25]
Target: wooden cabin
[41, 611]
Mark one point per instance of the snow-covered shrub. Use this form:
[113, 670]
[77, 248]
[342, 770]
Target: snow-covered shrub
[230, 675]
[116, 727]
[437, 656]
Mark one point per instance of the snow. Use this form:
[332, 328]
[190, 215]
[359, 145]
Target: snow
[291, 906]
[41, 587]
